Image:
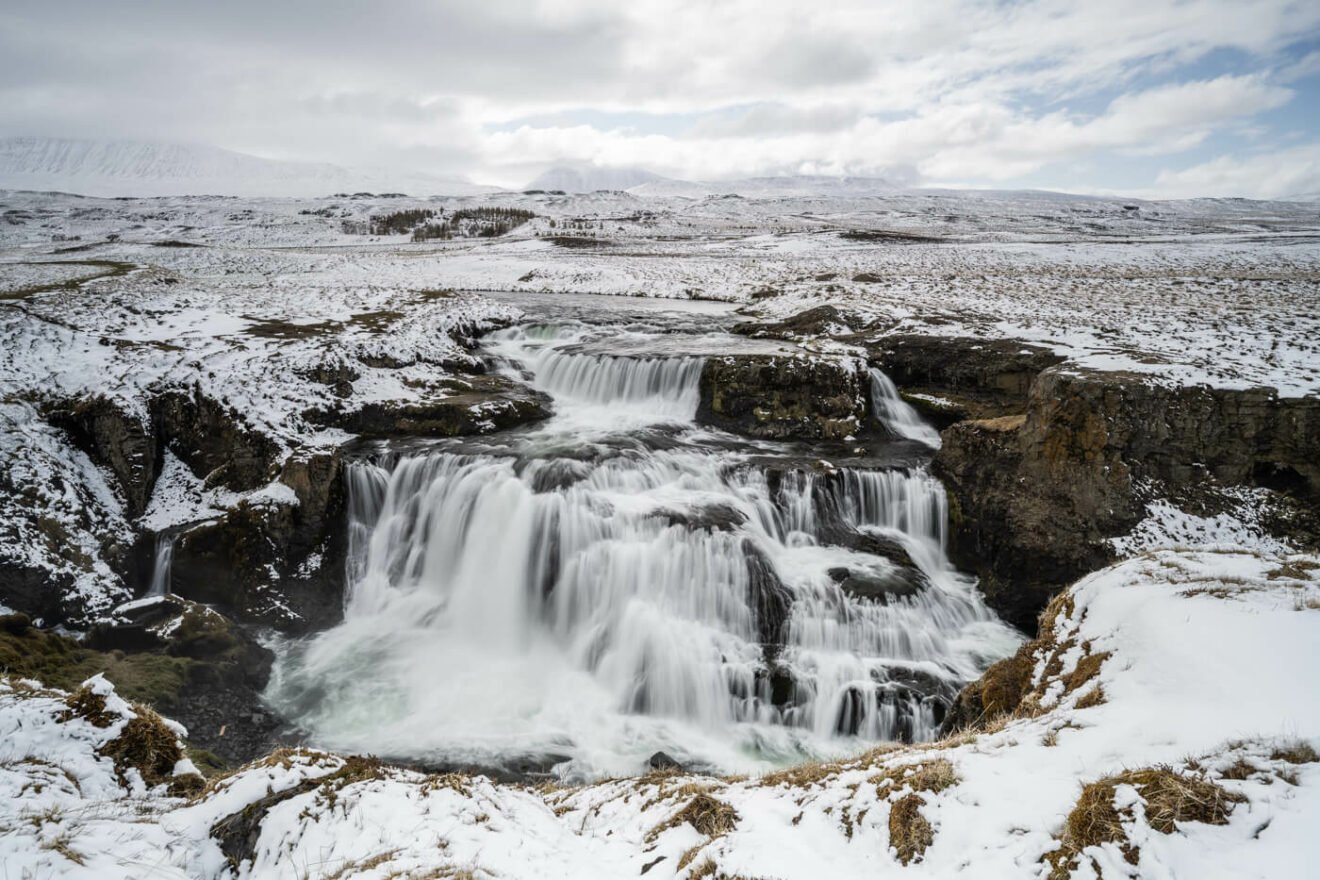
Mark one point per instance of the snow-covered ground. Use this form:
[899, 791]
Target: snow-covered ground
[1199, 654]
[1218, 290]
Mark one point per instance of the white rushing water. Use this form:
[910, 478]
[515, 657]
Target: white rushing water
[160, 568]
[897, 414]
[617, 601]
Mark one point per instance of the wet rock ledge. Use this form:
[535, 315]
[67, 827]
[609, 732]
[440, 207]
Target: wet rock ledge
[784, 397]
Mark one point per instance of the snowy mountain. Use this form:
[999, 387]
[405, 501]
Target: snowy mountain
[134, 168]
[589, 178]
[770, 187]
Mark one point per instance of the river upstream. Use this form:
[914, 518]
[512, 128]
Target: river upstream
[620, 581]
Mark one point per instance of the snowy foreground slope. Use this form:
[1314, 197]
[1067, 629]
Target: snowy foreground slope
[1179, 663]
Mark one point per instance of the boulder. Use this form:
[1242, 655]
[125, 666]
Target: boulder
[878, 586]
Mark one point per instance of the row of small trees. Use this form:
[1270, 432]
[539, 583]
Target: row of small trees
[474, 223]
[427, 223]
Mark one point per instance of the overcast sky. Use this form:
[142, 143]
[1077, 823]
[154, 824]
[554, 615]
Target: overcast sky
[1149, 97]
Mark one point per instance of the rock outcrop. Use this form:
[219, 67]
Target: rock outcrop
[116, 438]
[972, 378]
[784, 397]
[1036, 497]
[214, 440]
[478, 404]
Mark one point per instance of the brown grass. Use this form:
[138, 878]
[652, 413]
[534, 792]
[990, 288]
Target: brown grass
[1170, 798]
[927, 776]
[1001, 425]
[710, 816]
[686, 789]
[1300, 752]
[909, 831]
[819, 772]
[353, 867]
[704, 870]
[145, 744]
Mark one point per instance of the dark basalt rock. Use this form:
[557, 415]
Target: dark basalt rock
[1036, 497]
[880, 587]
[251, 564]
[478, 405]
[214, 440]
[712, 517]
[815, 322]
[980, 378]
[783, 397]
[770, 600]
[121, 441]
[661, 761]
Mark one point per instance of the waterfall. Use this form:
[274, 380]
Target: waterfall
[896, 414]
[587, 604]
[670, 589]
[160, 569]
[603, 385]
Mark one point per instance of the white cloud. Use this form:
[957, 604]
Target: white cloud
[957, 89]
[1279, 174]
[948, 142]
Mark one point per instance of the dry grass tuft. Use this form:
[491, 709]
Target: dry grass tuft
[927, 776]
[89, 706]
[1239, 770]
[353, 867]
[819, 772]
[1093, 697]
[706, 869]
[909, 831]
[710, 816]
[1300, 752]
[1170, 797]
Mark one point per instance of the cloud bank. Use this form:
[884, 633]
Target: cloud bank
[1176, 97]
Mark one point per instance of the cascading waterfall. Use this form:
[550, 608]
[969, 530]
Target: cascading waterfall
[652, 388]
[160, 569]
[897, 414]
[594, 609]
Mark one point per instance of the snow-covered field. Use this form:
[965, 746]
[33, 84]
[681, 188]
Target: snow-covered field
[1220, 291]
[1198, 654]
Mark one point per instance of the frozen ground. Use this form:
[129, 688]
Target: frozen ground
[1198, 655]
[1220, 291]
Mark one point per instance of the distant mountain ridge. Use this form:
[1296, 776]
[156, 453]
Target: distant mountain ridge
[590, 178]
[138, 168]
[639, 181]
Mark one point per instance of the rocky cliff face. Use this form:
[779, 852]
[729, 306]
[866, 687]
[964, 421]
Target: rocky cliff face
[778, 397]
[974, 378]
[1045, 463]
[1036, 497]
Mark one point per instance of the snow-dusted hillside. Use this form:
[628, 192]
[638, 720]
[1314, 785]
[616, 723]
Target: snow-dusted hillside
[786, 186]
[129, 168]
[590, 178]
